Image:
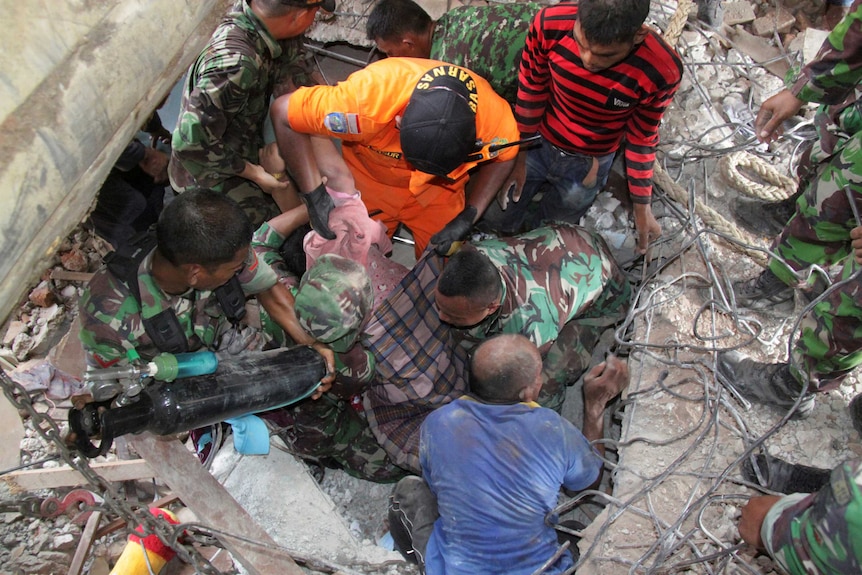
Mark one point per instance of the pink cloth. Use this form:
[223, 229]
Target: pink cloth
[359, 238]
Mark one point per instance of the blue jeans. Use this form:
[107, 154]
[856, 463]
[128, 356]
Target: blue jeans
[559, 176]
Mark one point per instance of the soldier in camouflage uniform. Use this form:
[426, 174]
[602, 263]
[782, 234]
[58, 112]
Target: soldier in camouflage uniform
[811, 534]
[333, 304]
[485, 39]
[203, 241]
[557, 285]
[255, 51]
[830, 344]
[180, 274]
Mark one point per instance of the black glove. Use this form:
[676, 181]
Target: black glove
[455, 231]
[319, 204]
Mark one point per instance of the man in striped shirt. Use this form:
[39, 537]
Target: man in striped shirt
[592, 75]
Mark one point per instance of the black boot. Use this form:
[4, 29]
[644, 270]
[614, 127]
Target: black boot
[784, 477]
[764, 293]
[766, 383]
[855, 408]
[764, 218]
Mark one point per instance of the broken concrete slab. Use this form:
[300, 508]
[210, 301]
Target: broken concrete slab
[11, 434]
[758, 50]
[780, 21]
[297, 513]
[808, 43]
[738, 13]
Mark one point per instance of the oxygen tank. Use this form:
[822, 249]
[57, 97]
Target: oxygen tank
[253, 382]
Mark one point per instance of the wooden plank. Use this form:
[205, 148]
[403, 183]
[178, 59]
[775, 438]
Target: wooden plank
[34, 479]
[11, 434]
[759, 49]
[66, 275]
[120, 522]
[85, 543]
[213, 505]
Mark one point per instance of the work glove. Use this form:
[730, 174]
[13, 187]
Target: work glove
[319, 205]
[455, 231]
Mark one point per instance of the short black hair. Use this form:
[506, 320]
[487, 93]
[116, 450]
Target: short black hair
[393, 18]
[607, 22]
[502, 366]
[278, 8]
[202, 227]
[471, 274]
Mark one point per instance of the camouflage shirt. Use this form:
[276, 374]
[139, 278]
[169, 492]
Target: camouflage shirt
[487, 40]
[226, 101]
[111, 317]
[832, 79]
[820, 533]
[548, 276]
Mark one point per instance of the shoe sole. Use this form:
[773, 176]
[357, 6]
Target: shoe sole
[781, 308]
[806, 407]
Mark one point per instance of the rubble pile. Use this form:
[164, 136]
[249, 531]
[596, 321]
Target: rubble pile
[722, 89]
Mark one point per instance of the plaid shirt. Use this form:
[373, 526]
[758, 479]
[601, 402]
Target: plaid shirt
[420, 366]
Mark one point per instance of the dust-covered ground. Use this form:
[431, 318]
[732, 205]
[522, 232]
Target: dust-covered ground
[676, 488]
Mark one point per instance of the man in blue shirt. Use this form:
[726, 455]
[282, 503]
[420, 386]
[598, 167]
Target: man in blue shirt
[493, 463]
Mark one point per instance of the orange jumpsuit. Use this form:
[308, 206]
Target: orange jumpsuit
[361, 112]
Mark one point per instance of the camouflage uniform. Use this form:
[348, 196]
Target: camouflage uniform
[224, 107]
[561, 288]
[830, 345]
[333, 304]
[111, 317]
[487, 40]
[820, 533]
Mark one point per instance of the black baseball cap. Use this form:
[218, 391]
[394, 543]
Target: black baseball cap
[438, 128]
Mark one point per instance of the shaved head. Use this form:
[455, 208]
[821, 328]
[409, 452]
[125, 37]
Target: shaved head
[504, 367]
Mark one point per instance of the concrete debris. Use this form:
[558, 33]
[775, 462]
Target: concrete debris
[738, 13]
[42, 295]
[63, 542]
[75, 260]
[15, 328]
[780, 21]
[712, 112]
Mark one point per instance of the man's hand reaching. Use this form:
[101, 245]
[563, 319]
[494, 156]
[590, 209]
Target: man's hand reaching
[604, 382]
[329, 358]
[646, 226]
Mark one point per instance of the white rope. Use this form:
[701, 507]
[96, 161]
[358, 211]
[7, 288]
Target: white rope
[710, 217]
[769, 185]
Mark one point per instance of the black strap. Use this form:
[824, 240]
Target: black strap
[231, 298]
[124, 262]
[164, 328]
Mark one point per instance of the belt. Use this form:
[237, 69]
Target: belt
[568, 153]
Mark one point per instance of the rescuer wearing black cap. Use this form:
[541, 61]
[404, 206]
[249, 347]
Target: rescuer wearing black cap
[411, 130]
[255, 52]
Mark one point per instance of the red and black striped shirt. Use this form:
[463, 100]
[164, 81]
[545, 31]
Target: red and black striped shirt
[590, 112]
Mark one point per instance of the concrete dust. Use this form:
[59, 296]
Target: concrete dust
[676, 490]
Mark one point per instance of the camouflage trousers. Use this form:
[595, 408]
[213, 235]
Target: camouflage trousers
[331, 431]
[570, 355]
[830, 344]
[820, 532]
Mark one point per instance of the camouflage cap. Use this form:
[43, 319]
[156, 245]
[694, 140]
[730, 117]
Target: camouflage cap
[334, 299]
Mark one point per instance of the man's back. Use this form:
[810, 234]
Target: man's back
[550, 275]
[487, 40]
[226, 101]
[496, 471]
